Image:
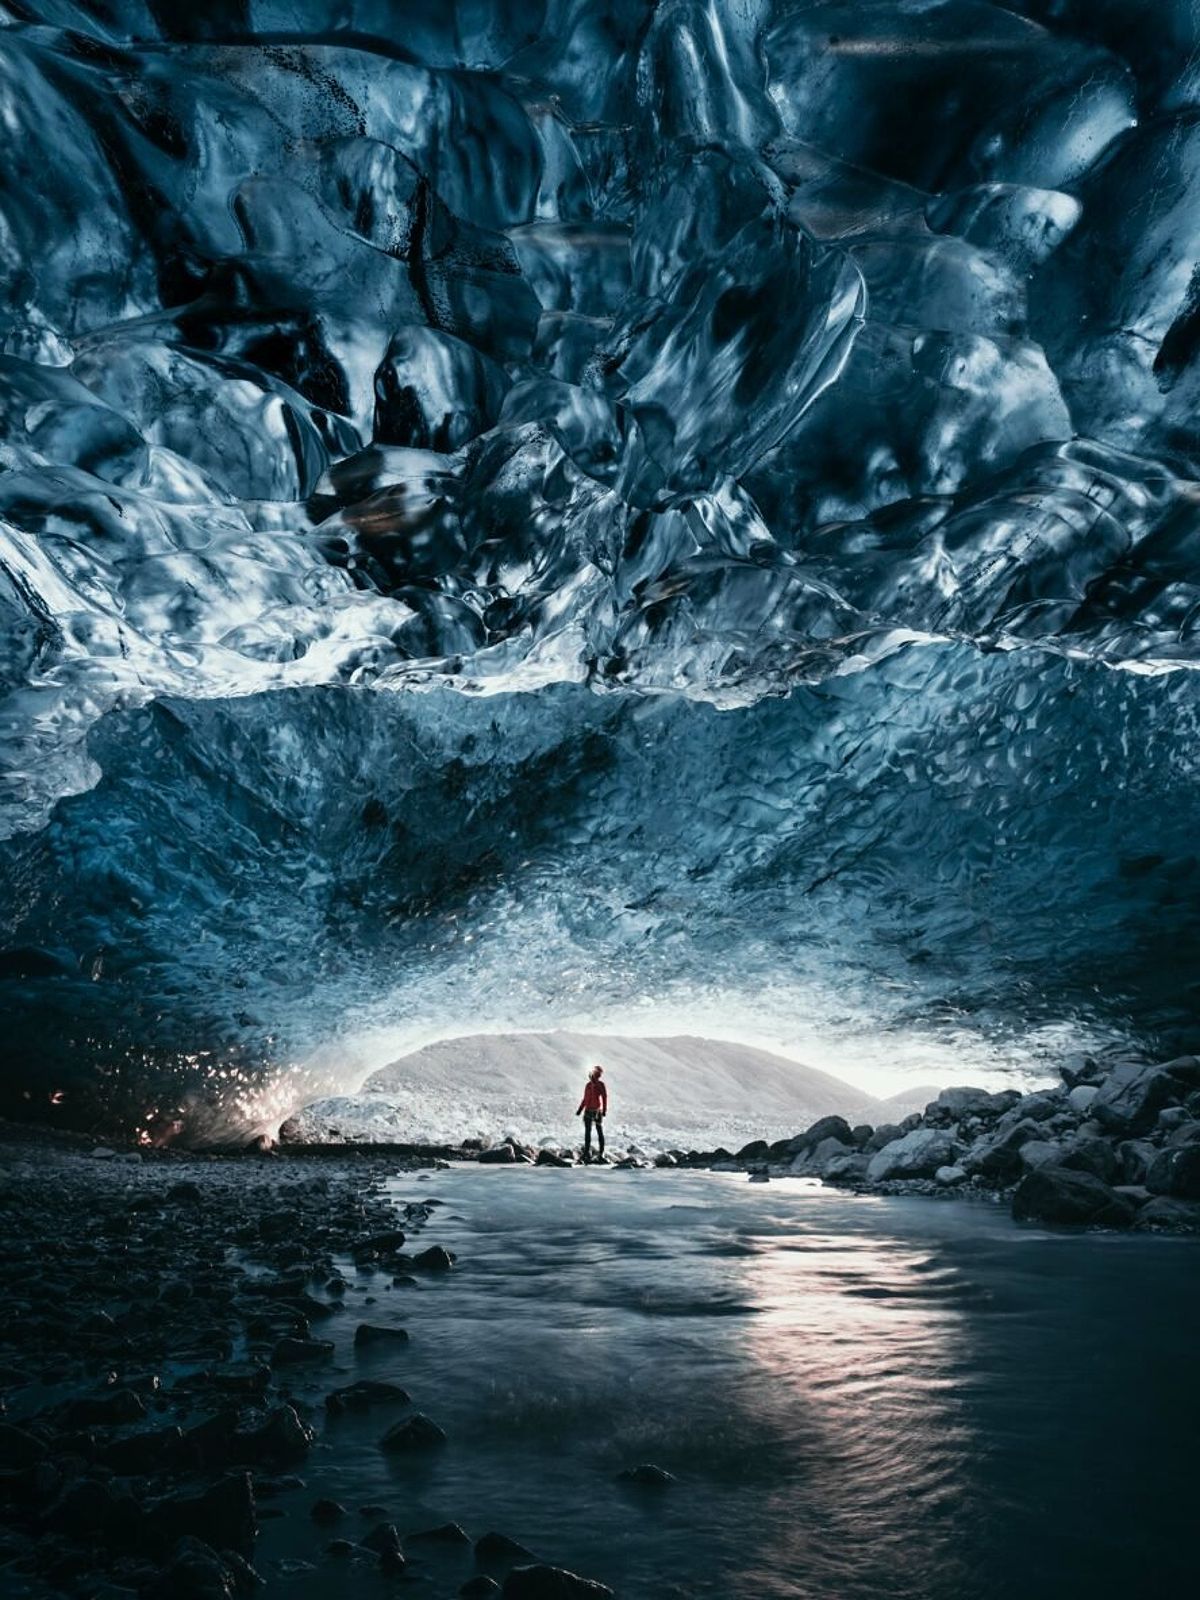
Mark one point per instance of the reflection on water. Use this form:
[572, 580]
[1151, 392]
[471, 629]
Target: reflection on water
[859, 1398]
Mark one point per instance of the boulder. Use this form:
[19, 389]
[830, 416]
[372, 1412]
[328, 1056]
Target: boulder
[551, 1583]
[224, 1514]
[502, 1155]
[436, 1258]
[999, 1154]
[1038, 1153]
[756, 1150]
[1081, 1097]
[480, 1587]
[498, 1550]
[836, 1128]
[849, 1167]
[1096, 1156]
[884, 1134]
[371, 1333]
[1176, 1172]
[860, 1133]
[417, 1432]
[1133, 1159]
[950, 1177]
[647, 1476]
[363, 1395]
[811, 1158]
[917, 1154]
[1056, 1194]
[1131, 1097]
[954, 1103]
[1164, 1214]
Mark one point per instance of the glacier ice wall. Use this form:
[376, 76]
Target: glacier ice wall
[514, 511]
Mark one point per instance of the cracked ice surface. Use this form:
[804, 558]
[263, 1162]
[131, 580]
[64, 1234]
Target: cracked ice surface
[509, 512]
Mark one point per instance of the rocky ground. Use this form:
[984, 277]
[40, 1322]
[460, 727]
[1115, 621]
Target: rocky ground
[164, 1370]
[1113, 1144]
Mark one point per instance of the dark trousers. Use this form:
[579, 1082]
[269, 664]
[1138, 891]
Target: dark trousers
[593, 1119]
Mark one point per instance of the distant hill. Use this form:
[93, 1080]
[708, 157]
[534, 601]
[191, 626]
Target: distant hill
[680, 1090]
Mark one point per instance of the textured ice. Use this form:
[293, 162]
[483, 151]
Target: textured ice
[510, 512]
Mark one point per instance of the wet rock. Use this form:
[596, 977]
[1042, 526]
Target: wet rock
[998, 1155]
[756, 1150]
[497, 1550]
[194, 1572]
[551, 1158]
[824, 1128]
[372, 1333]
[551, 1583]
[849, 1167]
[1096, 1156]
[378, 1244]
[104, 1410]
[1081, 1097]
[282, 1437]
[1131, 1097]
[950, 1177]
[435, 1259]
[1176, 1172]
[480, 1587]
[363, 1395]
[383, 1539]
[342, 1547]
[501, 1155]
[955, 1103]
[142, 1453]
[646, 1476]
[291, 1351]
[327, 1511]
[1163, 1214]
[1039, 1153]
[665, 1159]
[450, 1534]
[1056, 1194]
[1134, 1157]
[760, 1175]
[886, 1133]
[917, 1154]
[417, 1432]
[861, 1133]
[223, 1514]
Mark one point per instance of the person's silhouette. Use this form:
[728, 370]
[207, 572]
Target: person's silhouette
[592, 1108]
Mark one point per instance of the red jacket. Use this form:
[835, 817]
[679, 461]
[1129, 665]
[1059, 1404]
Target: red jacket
[595, 1096]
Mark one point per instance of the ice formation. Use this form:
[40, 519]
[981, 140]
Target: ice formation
[512, 510]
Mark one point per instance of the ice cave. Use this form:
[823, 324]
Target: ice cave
[518, 515]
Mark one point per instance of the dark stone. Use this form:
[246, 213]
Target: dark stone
[282, 1437]
[1176, 1172]
[378, 1244]
[502, 1155]
[824, 1128]
[998, 1156]
[194, 1572]
[435, 1259]
[141, 1453]
[480, 1587]
[756, 1150]
[1131, 1098]
[363, 1395]
[368, 1333]
[1056, 1194]
[383, 1539]
[1096, 1156]
[105, 1410]
[884, 1134]
[551, 1158]
[342, 1547]
[860, 1134]
[292, 1352]
[497, 1550]
[551, 1583]
[448, 1534]
[417, 1432]
[1135, 1156]
[223, 1514]
[326, 1511]
[647, 1476]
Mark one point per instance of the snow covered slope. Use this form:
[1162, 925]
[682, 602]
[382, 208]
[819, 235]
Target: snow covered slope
[682, 1090]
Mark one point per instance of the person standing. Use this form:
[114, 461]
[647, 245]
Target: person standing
[592, 1109]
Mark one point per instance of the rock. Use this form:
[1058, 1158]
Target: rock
[950, 1177]
[341, 1547]
[1039, 1153]
[1176, 1172]
[1081, 1097]
[105, 1410]
[327, 1511]
[1131, 1097]
[385, 1243]
[195, 1572]
[849, 1167]
[417, 1432]
[665, 1159]
[917, 1154]
[551, 1158]
[1184, 1133]
[998, 1155]
[1133, 1158]
[1096, 1156]
[497, 1549]
[812, 1157]
[551, 1583]
[860, 1133]
[222, 1515]
[760, 1175]
[282, 1437]
[363, 1395]
[836, 1128]
[480, 1587]
[291, 1352]
[1056, 1194]
[449, 1533]
[646, 1476]
[756, 1150]
[501, 1155]
[884, 1135]
[371, 1333]
[966, 1102]
[383, 1539]
[1163, 1214]
[1037, 1107]
[435, 1259]
[103, 1153]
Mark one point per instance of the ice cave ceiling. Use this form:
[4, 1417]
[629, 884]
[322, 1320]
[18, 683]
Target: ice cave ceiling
[508, 510]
